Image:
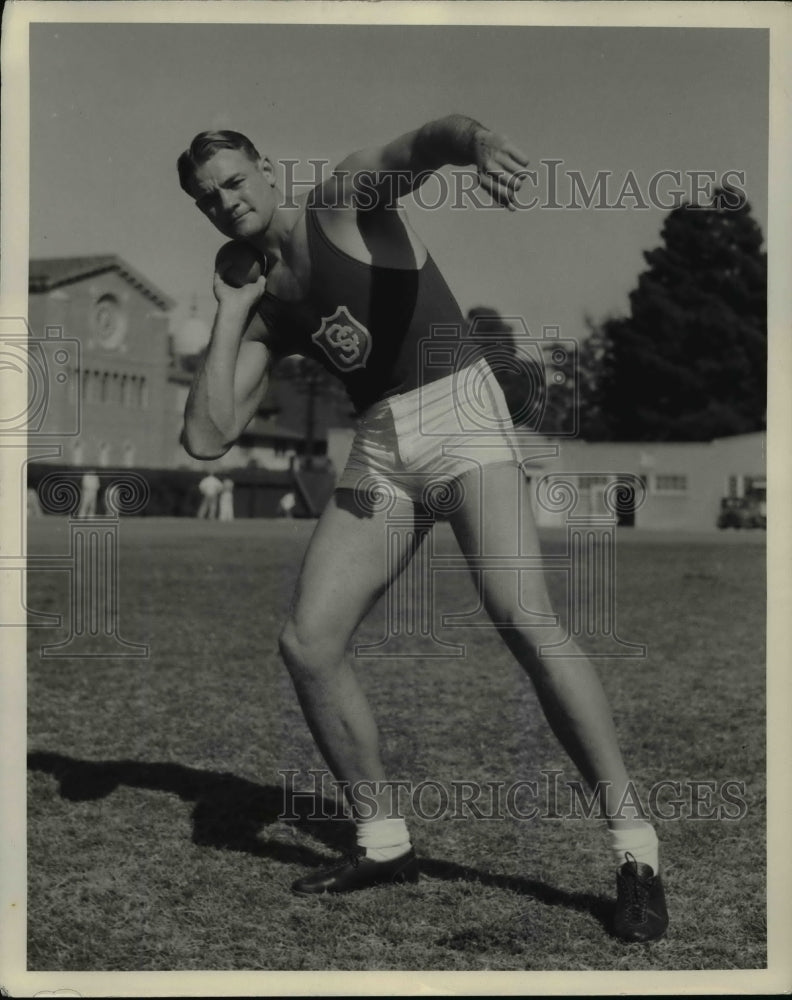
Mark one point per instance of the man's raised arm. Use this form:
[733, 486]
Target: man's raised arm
[230, 384]
[378, 176]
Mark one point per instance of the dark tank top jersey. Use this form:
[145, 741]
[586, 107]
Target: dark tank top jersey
[381, 330]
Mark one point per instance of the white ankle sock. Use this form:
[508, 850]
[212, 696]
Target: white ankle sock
[640, 841]
[383, 839]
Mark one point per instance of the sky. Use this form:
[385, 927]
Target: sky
[113, 105]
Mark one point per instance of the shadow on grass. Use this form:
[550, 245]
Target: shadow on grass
[230, 811]
[599, 907]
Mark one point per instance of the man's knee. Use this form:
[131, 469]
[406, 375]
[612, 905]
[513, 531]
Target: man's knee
[308, 649]
[290, 642]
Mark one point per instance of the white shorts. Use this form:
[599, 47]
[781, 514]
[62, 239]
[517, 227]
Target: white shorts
[414, 446]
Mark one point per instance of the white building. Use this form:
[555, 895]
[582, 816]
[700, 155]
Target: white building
[678, 485]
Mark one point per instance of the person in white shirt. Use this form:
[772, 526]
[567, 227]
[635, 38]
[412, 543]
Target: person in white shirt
[210, 489]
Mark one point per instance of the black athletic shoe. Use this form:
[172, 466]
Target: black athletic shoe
[357, 871]
[641, 913]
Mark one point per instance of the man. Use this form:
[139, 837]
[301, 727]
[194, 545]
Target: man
[90, 491]
[225, 511]
[349, 283]
[210, 489]
[286, 505]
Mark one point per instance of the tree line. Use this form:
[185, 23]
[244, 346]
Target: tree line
[688, 362]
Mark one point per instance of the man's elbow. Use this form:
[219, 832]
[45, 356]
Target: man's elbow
[200, 447]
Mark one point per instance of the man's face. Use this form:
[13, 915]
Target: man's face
[234, 193]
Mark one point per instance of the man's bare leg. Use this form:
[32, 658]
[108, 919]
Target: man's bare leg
[346, 569]
[498, 521]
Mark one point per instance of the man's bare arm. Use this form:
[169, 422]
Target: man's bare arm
[230, 384]
[378, 176]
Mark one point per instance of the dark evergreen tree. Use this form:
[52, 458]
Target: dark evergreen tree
[689, 362]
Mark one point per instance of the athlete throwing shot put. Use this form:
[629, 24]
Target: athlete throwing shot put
[339, 275]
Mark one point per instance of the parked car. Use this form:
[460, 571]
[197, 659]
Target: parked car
[742, 512]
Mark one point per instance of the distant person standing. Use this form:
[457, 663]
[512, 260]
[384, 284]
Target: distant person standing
[210, 489]
[226, 512]
[286, 505]
[89, 493]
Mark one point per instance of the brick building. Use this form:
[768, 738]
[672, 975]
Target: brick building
[115, 325]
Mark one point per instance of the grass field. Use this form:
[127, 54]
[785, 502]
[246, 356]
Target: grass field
[154, 840]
